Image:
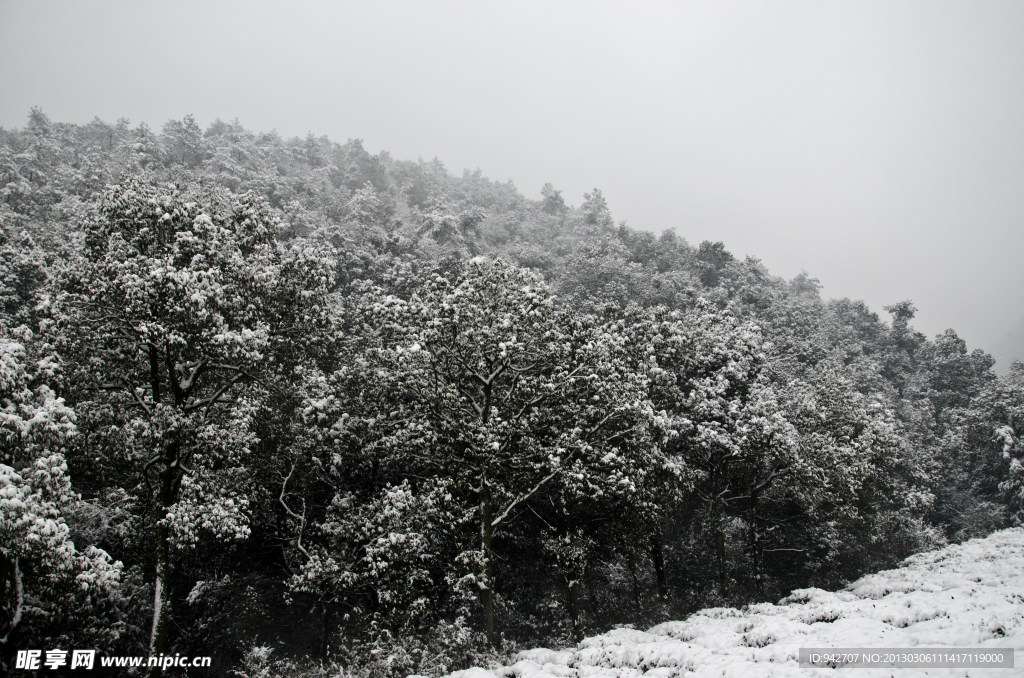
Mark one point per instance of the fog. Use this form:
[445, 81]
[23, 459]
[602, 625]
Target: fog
[879, 146]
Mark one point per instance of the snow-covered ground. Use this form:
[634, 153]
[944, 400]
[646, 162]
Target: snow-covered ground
[966, 595]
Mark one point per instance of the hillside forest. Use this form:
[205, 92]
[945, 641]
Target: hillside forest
[304, 409]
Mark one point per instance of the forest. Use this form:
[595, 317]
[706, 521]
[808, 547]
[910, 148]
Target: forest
[305, 409]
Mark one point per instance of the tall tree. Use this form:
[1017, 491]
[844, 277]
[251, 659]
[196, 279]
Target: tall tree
[39, 564]
[726, 426]
[181, 304]
[501, 393]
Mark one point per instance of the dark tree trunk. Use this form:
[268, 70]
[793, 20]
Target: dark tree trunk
[486, 538]
[635, 580]
[658, 556]
[570, 574]
[13, 600]
[718, 516]
[723, 573]
[325, 637]
[757, 548]
[595, 605]
[574, 607]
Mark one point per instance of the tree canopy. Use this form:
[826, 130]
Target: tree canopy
[301, 408]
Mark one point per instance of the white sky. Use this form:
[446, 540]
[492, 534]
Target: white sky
[878, 145]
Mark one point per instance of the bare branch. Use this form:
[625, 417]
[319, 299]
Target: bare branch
[522, 410]
[195, 369]
[215, 398]
[775, 473]
[479, 408]
[139, 401]
[599, 424]
[497, 521]
[293, 514]
[493, 375]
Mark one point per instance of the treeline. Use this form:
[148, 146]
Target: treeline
[296, 406]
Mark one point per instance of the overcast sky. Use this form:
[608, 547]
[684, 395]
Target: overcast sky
[877, 145]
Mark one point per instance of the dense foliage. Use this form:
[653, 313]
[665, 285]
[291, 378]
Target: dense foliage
[296, 406]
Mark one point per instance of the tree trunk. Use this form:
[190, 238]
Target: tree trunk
[569, 572]
[631, 563]
[595, 607]
[718, 515]
[158, 636]
[486, 536]
[574, 607]
[14, 594]
[723, 573]
[164, 500]
[325, 623]
[756, 548]
[658, 556]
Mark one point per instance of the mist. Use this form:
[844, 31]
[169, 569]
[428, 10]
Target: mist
[878, 146]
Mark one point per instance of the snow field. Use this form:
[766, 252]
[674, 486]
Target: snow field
[968, 595]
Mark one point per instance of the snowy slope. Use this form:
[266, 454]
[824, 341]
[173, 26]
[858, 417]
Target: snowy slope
[966, 595]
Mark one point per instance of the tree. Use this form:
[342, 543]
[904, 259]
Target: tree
[900, 360]
[989, 437]
[23, 280]
[181, 306]
[455, 232]
[726, 427]
[184, 143]
[42, 574]
[949, 376]
[593, 216]
[371, 210]
[552, 203]
[1009, 406]
[495, 390]
[849, 473]
[712, 258]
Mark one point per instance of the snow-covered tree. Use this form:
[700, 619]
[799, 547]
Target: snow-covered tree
[728, 437]
[381, 559]
[488, 386]
[851, 480]
[181, 307]
[989, 443]
[39, 564]
[443, 451]
[1010, 393]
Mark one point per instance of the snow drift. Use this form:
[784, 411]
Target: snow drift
[965, 595]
